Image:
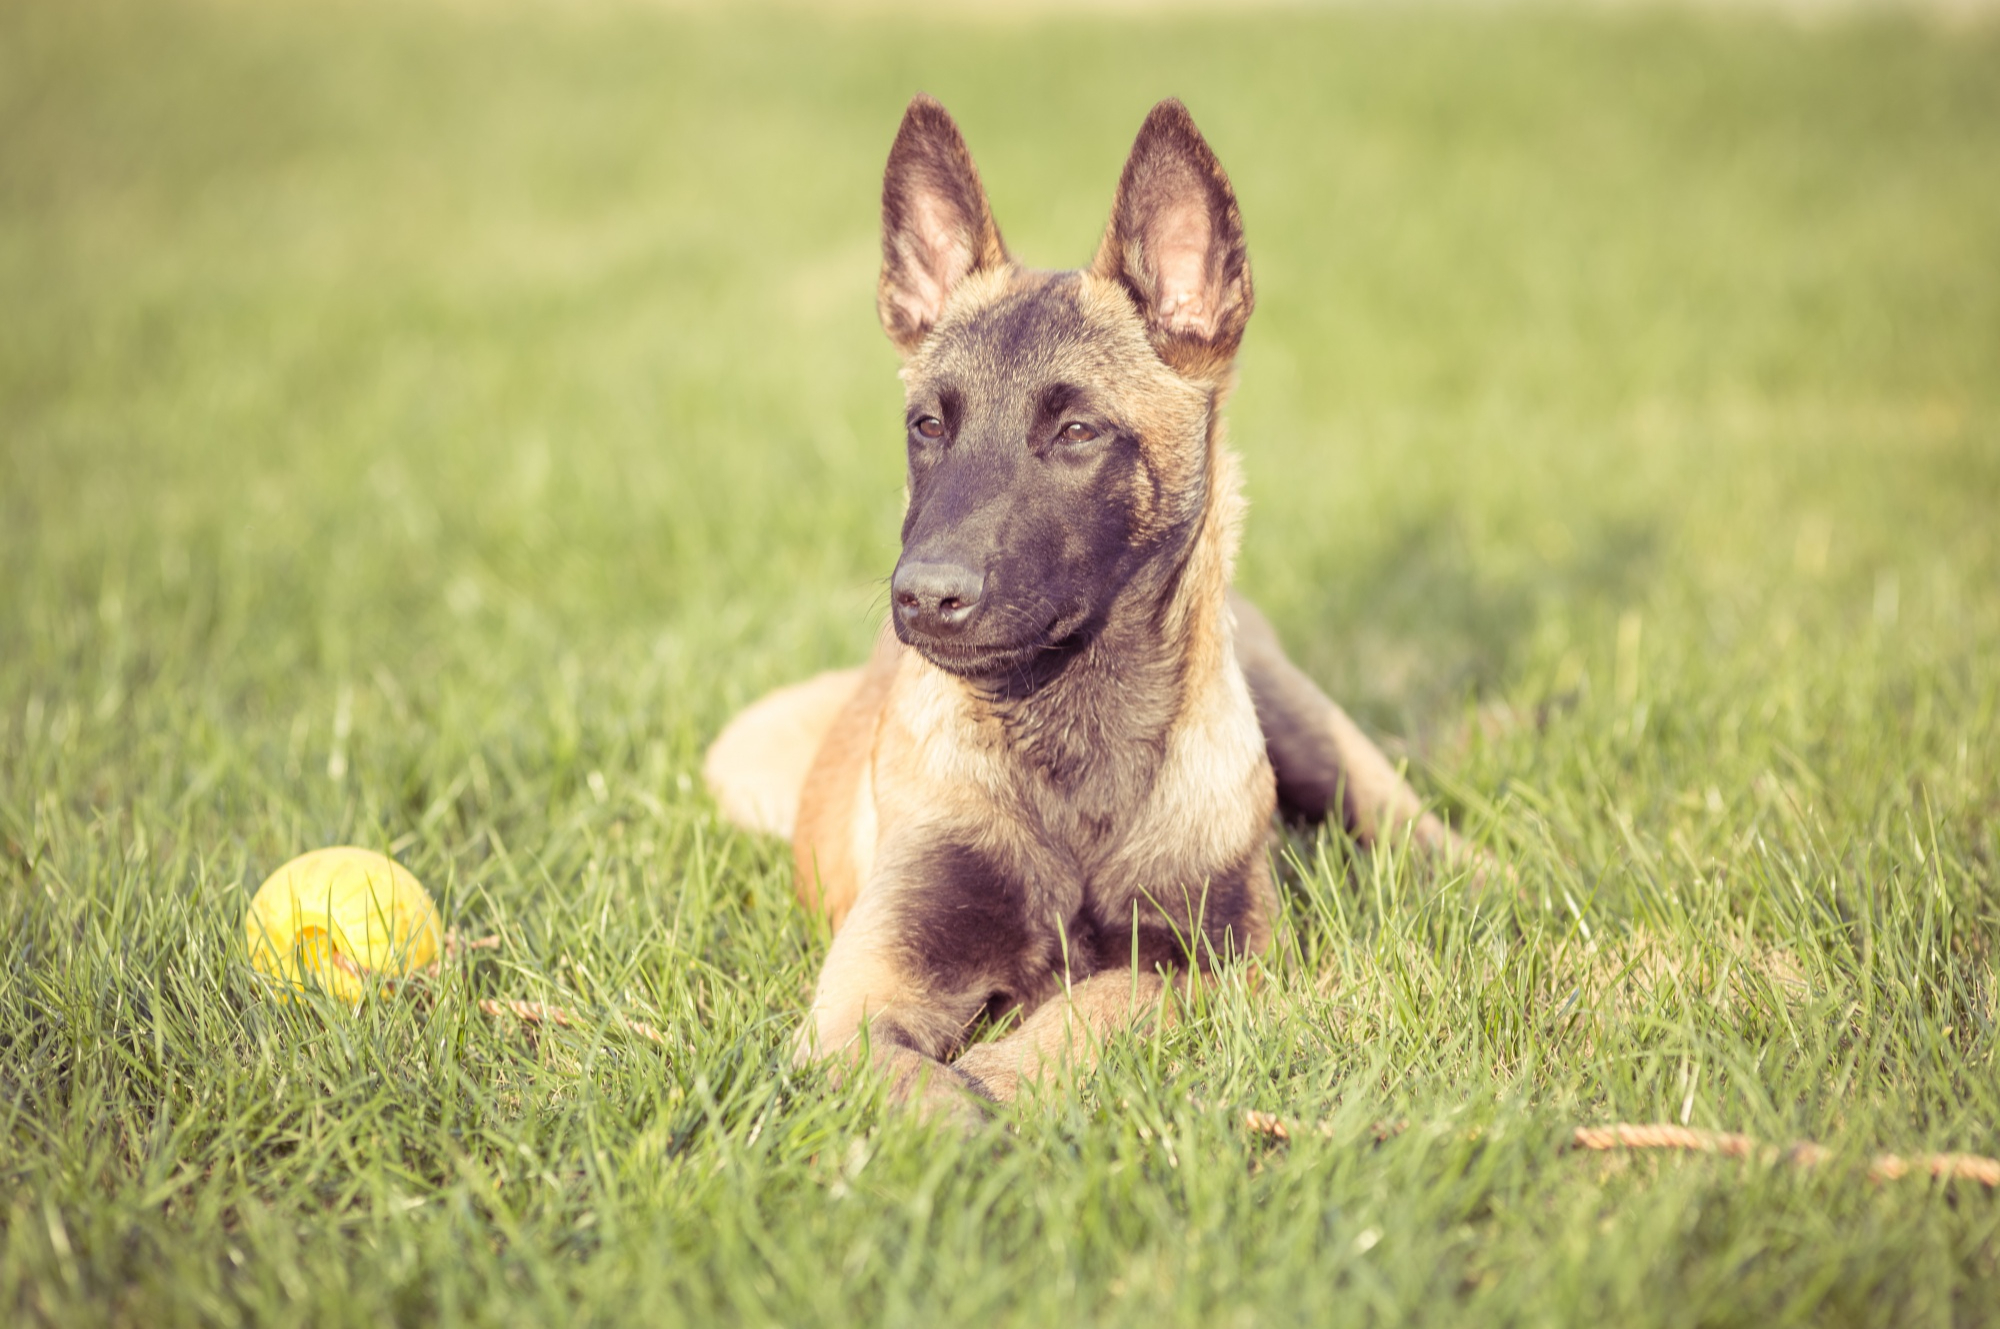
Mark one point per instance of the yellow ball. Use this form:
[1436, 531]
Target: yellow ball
[339, 918]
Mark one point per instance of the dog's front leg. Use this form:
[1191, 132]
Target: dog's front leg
[869, 1003]
[1066, 1033]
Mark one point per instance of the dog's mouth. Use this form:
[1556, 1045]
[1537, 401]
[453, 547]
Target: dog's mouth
[1023, 662]
[978, 662]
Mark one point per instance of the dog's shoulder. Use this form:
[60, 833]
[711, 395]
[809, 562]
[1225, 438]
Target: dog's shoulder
[833, 841]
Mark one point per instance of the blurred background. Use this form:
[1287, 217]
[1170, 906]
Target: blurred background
[395, 383]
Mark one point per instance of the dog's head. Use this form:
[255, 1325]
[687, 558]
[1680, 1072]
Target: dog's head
[1059, 422]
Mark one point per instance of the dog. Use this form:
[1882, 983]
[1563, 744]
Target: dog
[1050, 792]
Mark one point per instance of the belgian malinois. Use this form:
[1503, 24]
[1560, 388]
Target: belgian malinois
[1051, 790]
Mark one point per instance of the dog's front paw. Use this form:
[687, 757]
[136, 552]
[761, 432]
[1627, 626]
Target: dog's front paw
[996, 1067]
[940, 1094]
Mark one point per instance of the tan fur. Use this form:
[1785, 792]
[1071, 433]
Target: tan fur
[1067, 851]
[1068, 1030]
[938, 762]
[833, 847]
[759, 763]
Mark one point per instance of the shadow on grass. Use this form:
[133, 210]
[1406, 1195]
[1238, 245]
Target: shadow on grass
[1427, 616]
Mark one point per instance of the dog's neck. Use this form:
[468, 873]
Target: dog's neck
[1110, 703]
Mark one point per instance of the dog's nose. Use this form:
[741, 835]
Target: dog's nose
[935, 599]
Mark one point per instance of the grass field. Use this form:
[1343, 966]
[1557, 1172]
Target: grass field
[422, 424]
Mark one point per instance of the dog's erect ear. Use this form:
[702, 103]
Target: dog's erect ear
[1176, 244]
[937, 229]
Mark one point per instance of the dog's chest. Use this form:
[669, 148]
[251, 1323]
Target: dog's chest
[1087, 853]
[1083, 837]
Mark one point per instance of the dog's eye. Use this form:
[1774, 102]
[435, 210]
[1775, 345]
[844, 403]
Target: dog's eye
[931, 427]
[1076, 431]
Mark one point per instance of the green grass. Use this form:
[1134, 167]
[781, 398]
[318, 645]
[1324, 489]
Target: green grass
[421, 425]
